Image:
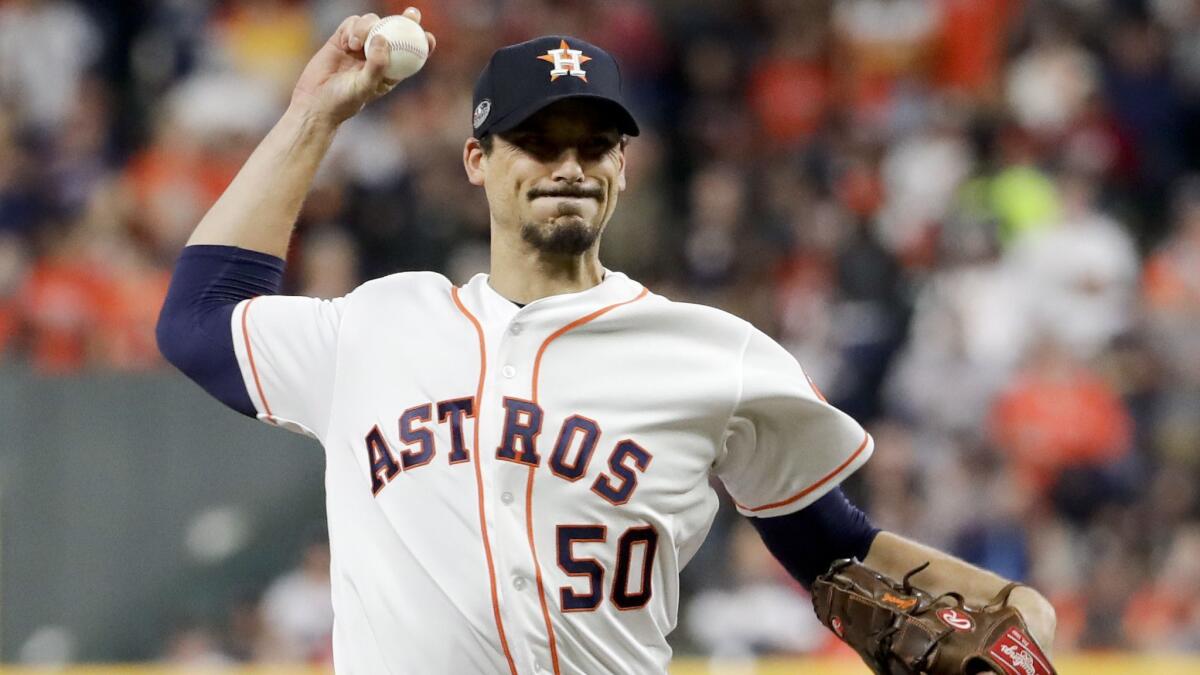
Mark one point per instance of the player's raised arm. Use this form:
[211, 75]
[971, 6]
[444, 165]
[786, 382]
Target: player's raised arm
[251, 360]
[258, 209]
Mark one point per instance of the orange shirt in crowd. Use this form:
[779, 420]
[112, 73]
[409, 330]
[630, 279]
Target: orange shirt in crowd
[1155, 615]
[1169, 284]
[161, 168]
[127, 315]
[789, 98]
[8, 325]
[971, 44]
[1050, 420]
[1070, 609]
[59, 303]
[173, 184]
[80, 315]
[881, 44]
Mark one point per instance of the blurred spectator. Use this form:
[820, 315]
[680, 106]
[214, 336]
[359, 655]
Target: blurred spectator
[869, 321]
[266, 40]
[14, 263]
[194, 646]
[994, 534]
[20, 204]
[60, 304]
[762, 612]
[922, 173]
[636, 240]
[1021, 196]
[247, 638]
[806, 284]
[1171, 288]
[969, 329]
[128, 312]
[1058, 415]
[971, 45]
[79, 160]
[46, 48]
[329, 265]
[1144, 98]
[1050, 82]
[198, 145]
[1162, 615]
[882, 44]
[790, 87]
[1080, 272]
[1108, 591]
[297, 609]
[717, 197]
[894, 489]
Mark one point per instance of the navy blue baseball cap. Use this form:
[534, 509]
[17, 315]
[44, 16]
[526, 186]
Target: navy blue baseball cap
[521, 79]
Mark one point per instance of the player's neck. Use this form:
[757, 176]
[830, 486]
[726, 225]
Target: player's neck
[523, 276]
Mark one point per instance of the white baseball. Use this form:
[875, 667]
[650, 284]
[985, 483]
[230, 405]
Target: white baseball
[407, 46]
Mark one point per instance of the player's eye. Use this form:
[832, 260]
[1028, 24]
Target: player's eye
[538, 147]
[597, 147]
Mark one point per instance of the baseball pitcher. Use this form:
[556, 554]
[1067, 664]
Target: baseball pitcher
[518, 468]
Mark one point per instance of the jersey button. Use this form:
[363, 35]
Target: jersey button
[515, 329]
[508, 371]
[519, 583]
[507, 498]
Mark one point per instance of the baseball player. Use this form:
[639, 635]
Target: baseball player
[517, 469]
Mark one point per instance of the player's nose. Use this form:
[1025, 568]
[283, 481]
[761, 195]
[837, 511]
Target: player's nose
[567, 167]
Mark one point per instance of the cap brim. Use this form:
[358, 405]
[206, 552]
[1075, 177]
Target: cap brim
[626, 124]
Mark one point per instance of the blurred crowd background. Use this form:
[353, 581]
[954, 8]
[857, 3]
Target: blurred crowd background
[976, 223]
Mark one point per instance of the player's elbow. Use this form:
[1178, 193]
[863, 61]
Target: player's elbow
[194, 330]
[191, 337]
[198, 341]
[171, 334]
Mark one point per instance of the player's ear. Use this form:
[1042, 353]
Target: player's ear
[474, 160]
[621, 162]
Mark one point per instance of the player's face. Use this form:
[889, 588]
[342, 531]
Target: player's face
[556, 177]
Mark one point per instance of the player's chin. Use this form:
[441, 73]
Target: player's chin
[568, 221]
[562, 235]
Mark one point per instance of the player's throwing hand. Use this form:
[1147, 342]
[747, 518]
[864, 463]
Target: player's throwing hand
[341, 78]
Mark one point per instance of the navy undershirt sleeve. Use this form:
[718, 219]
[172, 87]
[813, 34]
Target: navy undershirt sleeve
[808, 541]
[194, 328]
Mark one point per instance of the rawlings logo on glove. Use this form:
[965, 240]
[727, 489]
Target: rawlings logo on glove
[898, 629]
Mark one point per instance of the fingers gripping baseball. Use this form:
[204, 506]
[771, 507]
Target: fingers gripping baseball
[344, 75]
[373, 74]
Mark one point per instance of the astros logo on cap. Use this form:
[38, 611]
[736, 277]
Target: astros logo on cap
[566, 61]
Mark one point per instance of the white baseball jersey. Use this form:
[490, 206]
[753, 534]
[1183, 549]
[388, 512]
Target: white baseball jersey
[515, 490]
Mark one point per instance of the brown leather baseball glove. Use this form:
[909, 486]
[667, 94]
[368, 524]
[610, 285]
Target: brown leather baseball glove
[901, 630]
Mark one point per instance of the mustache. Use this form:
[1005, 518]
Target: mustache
[577, 191]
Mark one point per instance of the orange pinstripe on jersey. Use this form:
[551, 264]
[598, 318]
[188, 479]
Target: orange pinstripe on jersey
[250, 356]
[537, 361]
[537, 365]
[808, 490]
[487, 547]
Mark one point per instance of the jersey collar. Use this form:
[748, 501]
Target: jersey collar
[491, 306]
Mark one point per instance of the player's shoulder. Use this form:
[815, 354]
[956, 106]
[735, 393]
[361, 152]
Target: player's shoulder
[400, 295]
[681, 310]
[696, 320]
[402, 286]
